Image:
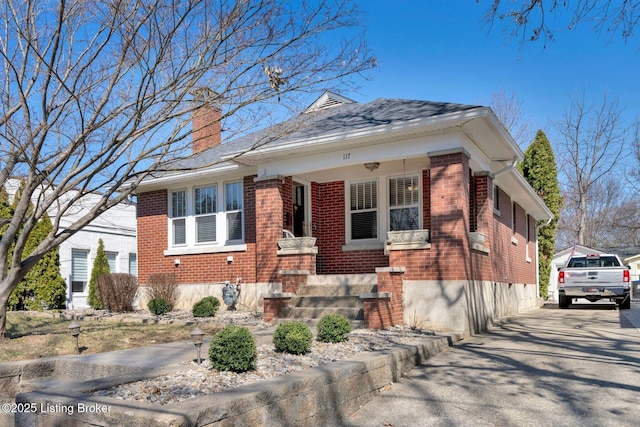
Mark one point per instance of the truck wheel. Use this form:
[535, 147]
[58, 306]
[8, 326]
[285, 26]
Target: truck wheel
[625, 304]
[563, 301]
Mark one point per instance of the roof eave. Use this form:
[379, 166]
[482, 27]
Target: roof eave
[331, 140]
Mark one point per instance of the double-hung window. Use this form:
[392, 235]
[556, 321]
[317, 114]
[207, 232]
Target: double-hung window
[404, 203]
[178, 217]
[364, 210]
[205, 213]
[233, 198]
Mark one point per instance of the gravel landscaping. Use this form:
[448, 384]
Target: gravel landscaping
[192, 380]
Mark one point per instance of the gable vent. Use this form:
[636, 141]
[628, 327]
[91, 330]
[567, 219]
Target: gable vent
[328, 100]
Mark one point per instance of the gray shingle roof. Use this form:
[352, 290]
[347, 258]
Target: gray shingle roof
[316, 124]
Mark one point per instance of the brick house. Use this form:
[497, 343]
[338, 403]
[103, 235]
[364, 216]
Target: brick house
[421, 198]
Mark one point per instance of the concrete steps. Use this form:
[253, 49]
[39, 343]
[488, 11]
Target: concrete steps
[330, 294]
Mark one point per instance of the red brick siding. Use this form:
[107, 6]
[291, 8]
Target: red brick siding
[450, 257]
[269, 224]
[287, 204]
[199, 268]
[330, 230]
[152, 234]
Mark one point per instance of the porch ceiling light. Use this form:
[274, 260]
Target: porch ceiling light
[372, 166]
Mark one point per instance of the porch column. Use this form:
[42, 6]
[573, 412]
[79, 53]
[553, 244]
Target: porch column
[449, 196]
[269, 223]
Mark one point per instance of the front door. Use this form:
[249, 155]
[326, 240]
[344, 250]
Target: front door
[300, 211]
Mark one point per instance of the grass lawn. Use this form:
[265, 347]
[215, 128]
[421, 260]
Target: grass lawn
[32, 337]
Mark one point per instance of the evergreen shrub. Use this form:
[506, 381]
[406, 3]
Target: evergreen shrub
[100, 268]
[293, 337]
[206, 307]
[158, 306]
[333, 328]
[233, 349]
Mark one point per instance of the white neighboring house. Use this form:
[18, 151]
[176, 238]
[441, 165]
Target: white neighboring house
[116, 228]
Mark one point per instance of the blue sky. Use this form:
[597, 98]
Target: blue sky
[441, 51]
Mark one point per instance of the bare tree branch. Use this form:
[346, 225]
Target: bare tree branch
[593, 140]
[540, 20]
[97, 94]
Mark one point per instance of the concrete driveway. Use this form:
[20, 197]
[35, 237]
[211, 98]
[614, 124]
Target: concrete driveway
[549, 367]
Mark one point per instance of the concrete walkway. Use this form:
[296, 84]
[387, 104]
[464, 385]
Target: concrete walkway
[549, 367]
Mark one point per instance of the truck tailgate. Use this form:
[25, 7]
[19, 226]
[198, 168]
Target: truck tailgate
[594, 278]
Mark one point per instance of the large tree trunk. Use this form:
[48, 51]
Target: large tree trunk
[5, 291]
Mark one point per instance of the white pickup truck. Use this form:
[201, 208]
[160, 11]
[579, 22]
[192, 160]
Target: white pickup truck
[594, 277]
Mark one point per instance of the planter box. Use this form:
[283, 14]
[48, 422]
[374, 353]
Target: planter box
[408, 236]
[297, 245]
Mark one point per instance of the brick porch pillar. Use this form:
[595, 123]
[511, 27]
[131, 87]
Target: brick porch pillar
[269, 224]
[449, 194]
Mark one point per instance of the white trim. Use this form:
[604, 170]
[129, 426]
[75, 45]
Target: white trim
[347, 203]
[191, 245]
[209, 249]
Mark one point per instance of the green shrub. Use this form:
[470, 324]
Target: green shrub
[233, 349]
[333, 328]
[159, 306]
[206, 307]
[293, 337]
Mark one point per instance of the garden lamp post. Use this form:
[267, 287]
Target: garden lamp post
[197, 334]
[74, 327]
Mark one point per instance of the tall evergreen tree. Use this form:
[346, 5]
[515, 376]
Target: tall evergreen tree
[42, 287]
[100, 267]
[540, 170]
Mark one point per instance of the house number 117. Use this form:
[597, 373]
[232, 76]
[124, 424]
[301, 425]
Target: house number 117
[346, 156]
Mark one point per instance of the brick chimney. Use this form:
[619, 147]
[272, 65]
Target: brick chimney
[206, 128]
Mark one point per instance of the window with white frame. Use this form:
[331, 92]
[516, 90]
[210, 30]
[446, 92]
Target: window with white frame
[364, 210]
[79, 270]
[204, 199]
[233, 198]
[178, 204]
[210, 214]
[404, 203]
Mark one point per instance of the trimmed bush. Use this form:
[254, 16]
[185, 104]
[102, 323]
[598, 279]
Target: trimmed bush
[293, 337]
[233, 349]
[206, 307]
[333, 328]
[159, 306]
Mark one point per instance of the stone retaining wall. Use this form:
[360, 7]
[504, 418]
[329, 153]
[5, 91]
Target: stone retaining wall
[325, 395]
